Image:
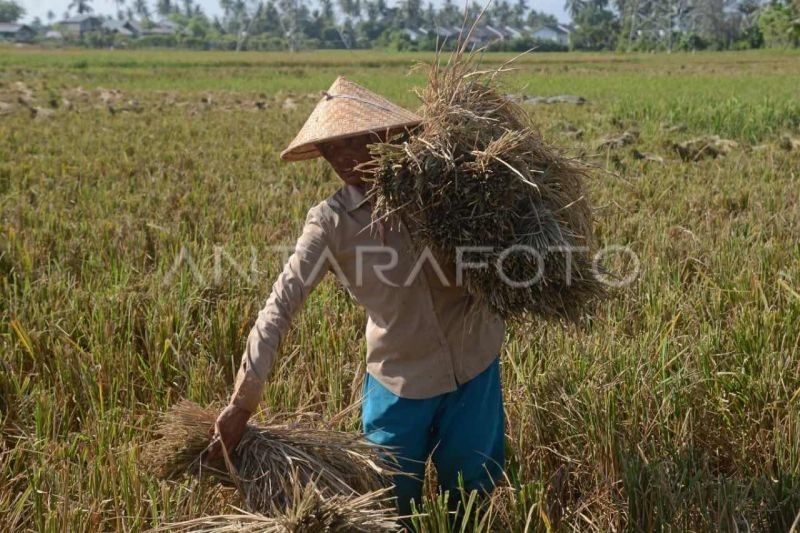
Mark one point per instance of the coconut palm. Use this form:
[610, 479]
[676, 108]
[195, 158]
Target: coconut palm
[120, 8]
[574, 7]
[81, 6]
[351, 8]
[164, 7]
[326, 10]
[520, 9]
[141, 9]
[226, 6]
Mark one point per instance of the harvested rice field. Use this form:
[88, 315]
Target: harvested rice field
[144, 214]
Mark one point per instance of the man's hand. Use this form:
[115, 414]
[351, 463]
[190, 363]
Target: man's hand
[228, 429]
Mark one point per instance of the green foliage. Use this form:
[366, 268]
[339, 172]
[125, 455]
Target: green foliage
[81, 6]
[164, 41]
[780, 25]
[536, 19]
[10, 11]
[596, 28]
[524, 44]
[397, 40]
[97, 39]
[751, 38]
[689, 42]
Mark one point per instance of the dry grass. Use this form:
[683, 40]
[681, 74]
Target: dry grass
[310, 512]
[675, 410]
[477, 173]
[271, 461]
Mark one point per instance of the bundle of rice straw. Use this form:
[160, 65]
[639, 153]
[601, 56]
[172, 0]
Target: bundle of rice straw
[309, 513]
[476, 173]
[270, 461]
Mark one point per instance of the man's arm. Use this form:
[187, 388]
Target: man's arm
[302, 272]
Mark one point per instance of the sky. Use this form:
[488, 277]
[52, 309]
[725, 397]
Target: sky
[40, 8]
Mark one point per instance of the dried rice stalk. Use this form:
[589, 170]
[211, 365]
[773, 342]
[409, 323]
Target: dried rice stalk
[309, 513]
[270, 461]
[477, 173]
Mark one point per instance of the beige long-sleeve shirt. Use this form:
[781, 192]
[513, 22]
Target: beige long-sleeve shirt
[425, 334]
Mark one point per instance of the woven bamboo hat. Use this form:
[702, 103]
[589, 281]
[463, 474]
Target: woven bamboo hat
[346, 110]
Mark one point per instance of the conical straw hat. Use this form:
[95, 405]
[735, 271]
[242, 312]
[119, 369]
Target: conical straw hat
[346, 109]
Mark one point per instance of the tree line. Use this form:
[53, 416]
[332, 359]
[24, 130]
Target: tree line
[685, 24]
[622, 25]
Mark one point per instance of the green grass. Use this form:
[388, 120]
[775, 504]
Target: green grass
[678, 408]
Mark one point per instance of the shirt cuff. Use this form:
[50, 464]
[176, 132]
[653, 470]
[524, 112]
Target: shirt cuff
[247, 391]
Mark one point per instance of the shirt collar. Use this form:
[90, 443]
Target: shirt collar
[353, 198]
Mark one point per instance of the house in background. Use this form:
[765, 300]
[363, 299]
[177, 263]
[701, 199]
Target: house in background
[487, 34]
[494, 34]
[552, 33]
[414, 35]
[18, 33]
[514, 33]
[483, 35]
[78, 25]
[126, 28]
[164, 27]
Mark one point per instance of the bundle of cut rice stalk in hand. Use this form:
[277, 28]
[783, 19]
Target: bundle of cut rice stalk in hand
[281, 471]
[476, 176]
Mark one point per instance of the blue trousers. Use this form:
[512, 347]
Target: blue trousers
[463, 430]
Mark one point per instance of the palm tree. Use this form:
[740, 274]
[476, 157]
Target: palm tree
[520, 9]
[502, 12]
[430, 16]
[326, 10]
[449, 15]
[120, 8]
[141, 9]
[81, 6]
[574, 7]
[163, 7]
[351, 8]
[226, 6]
[412, 13]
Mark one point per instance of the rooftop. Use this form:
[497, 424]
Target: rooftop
[79, 18]
[12, 27]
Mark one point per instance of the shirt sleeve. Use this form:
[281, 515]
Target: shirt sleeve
[303, 271]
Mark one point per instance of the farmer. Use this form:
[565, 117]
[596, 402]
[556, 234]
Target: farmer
[433, 378]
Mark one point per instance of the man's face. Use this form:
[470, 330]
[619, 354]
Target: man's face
[346, 154]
